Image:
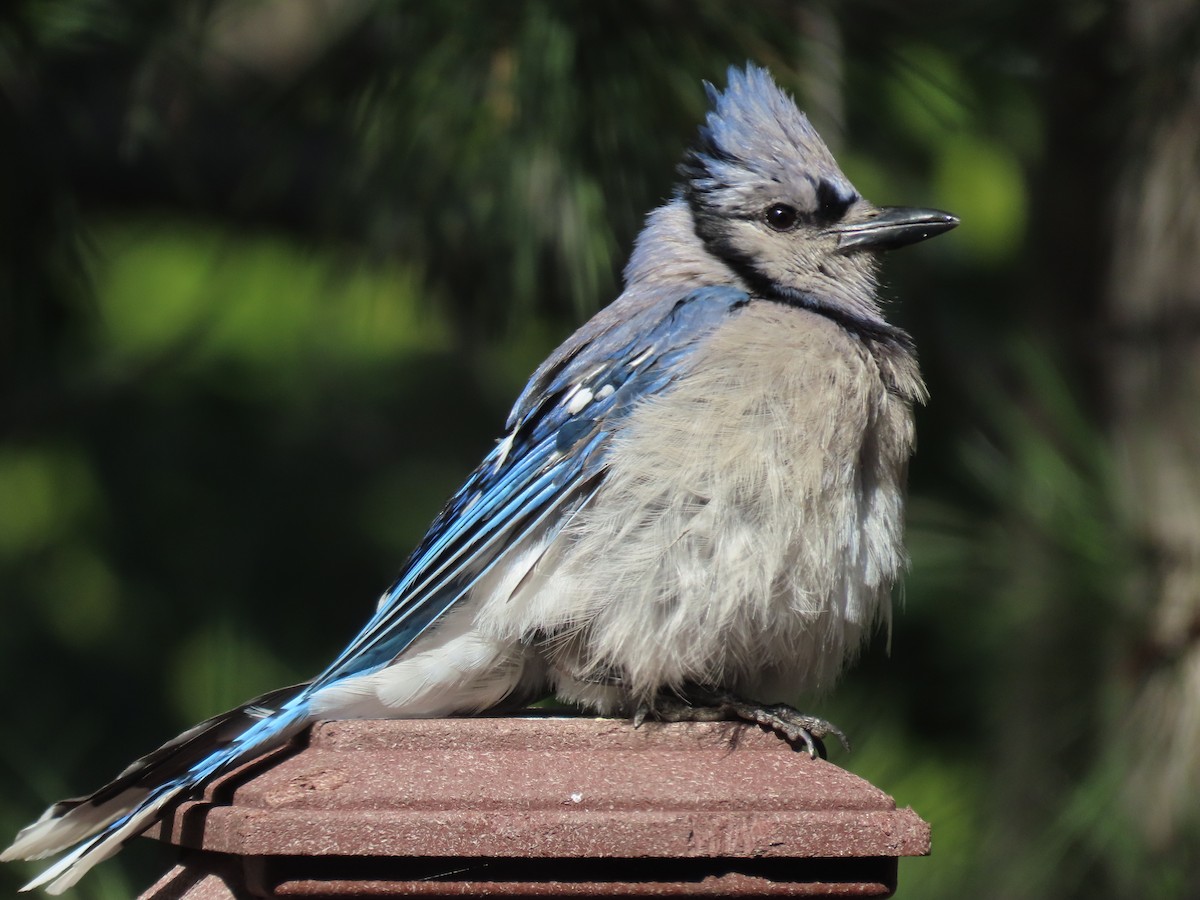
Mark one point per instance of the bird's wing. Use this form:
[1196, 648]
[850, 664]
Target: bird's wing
[549, 465]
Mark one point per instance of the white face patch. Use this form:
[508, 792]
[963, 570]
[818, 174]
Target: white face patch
[579, 400]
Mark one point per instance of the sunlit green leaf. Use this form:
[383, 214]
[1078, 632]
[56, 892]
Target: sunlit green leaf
[183, 295]
[80, 596]
[43, 492]
[983, 183]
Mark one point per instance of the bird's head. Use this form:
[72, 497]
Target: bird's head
[770, 201]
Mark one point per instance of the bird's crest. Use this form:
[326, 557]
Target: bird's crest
[754, 133]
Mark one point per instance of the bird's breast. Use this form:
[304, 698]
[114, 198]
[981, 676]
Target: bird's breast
[749, 527]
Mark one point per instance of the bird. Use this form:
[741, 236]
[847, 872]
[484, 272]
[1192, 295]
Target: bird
[695, 511]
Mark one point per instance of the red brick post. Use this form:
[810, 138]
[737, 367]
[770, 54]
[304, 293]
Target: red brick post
[537, 807]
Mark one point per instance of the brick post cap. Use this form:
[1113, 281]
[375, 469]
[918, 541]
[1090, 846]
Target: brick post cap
[538, 806]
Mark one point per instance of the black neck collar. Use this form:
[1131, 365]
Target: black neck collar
[761, 287]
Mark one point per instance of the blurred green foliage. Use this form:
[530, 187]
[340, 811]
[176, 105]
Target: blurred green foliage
[272, 271]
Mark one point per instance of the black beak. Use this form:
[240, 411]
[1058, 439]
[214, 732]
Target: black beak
[892, 227]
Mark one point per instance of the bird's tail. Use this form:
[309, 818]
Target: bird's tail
[97, 826]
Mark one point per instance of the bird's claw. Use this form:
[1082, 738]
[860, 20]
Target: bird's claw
[793, 725]
[640, 714]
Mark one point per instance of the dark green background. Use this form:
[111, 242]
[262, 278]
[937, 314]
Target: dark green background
[272, 273]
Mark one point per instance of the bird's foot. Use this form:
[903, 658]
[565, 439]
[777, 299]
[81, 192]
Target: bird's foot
[785, 720]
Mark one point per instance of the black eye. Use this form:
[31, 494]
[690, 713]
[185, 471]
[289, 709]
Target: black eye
[781, 217]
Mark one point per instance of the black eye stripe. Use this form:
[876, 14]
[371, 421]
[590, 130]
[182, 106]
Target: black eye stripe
[832, 201]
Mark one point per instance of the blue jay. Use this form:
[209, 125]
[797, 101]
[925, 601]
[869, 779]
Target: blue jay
[695, 511]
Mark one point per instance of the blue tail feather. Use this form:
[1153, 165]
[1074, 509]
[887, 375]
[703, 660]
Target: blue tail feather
[100, 823]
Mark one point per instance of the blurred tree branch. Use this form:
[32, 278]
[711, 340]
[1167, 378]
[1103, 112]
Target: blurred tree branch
[1153, 310]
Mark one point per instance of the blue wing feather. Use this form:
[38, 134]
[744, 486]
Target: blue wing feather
[550, 464]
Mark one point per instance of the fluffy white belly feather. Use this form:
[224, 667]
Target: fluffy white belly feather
[752, 557]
